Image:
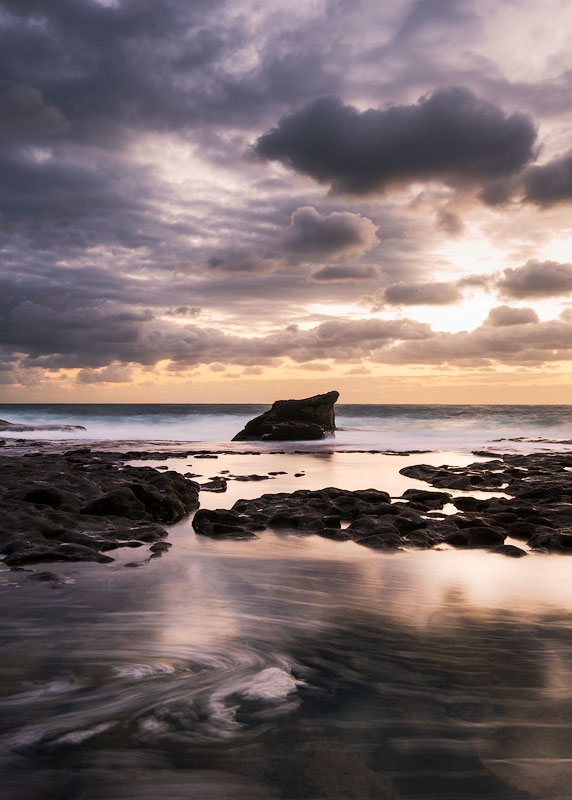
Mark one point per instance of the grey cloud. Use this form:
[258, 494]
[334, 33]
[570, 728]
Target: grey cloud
[506, 315]
[242, 261]
[550, 183]
[335, 235]
[184, 311]
[345, 274]
[25, 116]
[536, 279]
[114, 373]
[526, 344]
[415, 294]
[449, 222]
[450, 135]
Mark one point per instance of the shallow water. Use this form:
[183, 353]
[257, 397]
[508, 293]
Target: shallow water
[290, 666]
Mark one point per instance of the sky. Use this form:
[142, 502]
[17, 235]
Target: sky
[209, 201]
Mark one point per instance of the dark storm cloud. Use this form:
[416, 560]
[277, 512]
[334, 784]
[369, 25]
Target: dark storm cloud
[550, 183]
[536, 279]
[506, 315]
[450, 135]
[337, 234]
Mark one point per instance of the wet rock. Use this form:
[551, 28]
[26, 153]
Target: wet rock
[310, 418]
[427, 499]
[246, 478]
[217, 484]
[80, 505]
[509, 550]
[478, 536]
[117, 503]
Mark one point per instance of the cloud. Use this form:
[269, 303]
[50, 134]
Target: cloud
[449, 222]
[25, 116]
[343, 274]
[536, 279]
[184, 311]
[311, 234]
[242, 261]
[550, 183]
[518, 344]
[505, 315]
[114, 373]
[450, 136]
[420, 294]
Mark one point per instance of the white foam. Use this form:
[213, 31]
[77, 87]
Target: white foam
[139, 671]
[272, 685]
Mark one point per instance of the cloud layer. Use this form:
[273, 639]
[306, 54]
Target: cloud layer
[449, 135]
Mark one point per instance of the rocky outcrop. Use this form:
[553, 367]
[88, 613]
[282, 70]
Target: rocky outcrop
[17, 427]
[79, 506]
[291, 420]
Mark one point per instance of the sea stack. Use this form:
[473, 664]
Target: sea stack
[310, 418]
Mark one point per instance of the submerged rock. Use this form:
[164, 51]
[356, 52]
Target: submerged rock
[310, 418]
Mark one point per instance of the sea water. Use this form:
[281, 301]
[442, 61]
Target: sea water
[378, 427]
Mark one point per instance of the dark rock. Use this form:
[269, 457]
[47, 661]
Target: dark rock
[246, 478]
[310, 418]
[41, 499]
[465, 503]
[478, 536]
[118, 503]
[217, 484]
[160, 547]
[336, 534]
[509, 550]
[430, 500]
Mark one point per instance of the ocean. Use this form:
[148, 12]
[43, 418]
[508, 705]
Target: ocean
[291, 666]
[459, 428]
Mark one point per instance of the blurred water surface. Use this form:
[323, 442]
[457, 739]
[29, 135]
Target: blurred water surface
[288, 667]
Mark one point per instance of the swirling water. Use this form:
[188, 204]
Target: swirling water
[288, 667]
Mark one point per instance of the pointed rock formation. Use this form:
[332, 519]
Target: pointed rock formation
[311, 418]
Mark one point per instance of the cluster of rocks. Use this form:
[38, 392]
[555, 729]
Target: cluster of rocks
[78, 506]
[538, 513]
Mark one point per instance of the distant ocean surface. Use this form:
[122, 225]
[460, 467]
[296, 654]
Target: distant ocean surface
[393, 427]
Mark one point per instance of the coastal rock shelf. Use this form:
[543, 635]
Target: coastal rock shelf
[539, 512]
[79, 506]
